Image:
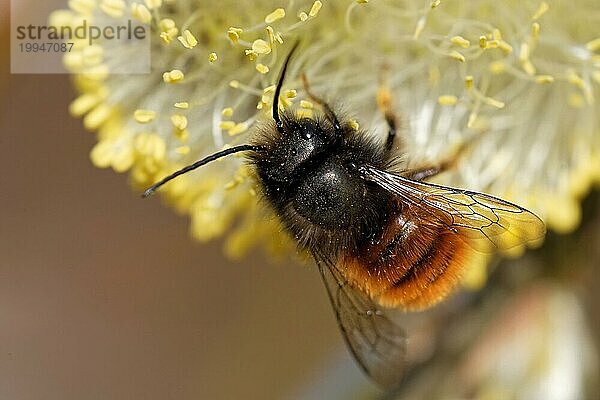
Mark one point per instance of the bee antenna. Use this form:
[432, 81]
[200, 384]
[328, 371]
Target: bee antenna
[199, 163]
[278, 121]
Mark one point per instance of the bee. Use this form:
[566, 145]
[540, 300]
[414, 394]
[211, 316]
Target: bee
[381, 237]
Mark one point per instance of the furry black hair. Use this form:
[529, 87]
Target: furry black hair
[308, 175]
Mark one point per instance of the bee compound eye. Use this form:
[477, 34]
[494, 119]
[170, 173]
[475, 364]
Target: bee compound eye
[306, 134]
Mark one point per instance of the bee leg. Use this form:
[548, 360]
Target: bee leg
[427, 171]
[385, 104]
[330, 114]
[384, 101]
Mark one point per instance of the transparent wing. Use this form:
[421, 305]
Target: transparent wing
[377, 343]
[479, 218]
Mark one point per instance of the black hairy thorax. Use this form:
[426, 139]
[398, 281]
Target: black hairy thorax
[309, 176]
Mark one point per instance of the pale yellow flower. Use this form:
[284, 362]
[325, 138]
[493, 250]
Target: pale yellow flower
[518, 81]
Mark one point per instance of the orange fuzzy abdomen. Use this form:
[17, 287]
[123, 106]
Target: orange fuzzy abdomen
[413, 264]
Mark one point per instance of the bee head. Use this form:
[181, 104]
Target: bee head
[296, 144]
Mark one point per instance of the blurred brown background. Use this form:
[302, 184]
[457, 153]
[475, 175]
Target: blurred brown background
[105, 296]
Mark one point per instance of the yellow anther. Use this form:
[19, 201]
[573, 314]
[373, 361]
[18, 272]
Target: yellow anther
[101, 154]
[275, 15]
[152, 4]
[563, 213]
[362, 1]
[84, 103]
[305, 113]
[497, 67]
[97, 116]
[493, 102]
[234, 33]
[251, 54]
[179, 121]
[581, 177]
[144, 116]
[354, 125]
[279, 38]
[306, 104]
[259, 46]
[84, 7]
[496, 34]
[492, 44]
[524, 52]
[447, 100]
[290, 94]
[266, 99]
[92, 55]
[505, 47]
[457, 56]
[314, 10]
[535, 30]
[578, 81]
[472, 119]
[460, 41]
[234, 84]
[60, 18]
[150, 145]
[183, 150]
[227, 112]
[113, 8]
[141, 13]
[284, 102]
[166, 24]
[238, 128]
[183, 105]
[73, 60]
[168, 30]
[188, 40]
[226, 125]
[212, 57]
[182, 135]
[469, 82]
[593, 45]
[542, 79]
[524, 59]
[173, 76]
[263, 69]
[528, 67]
[434, 3]
[303, 16]
[271, 34]
[482, 42]
[96, 73]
